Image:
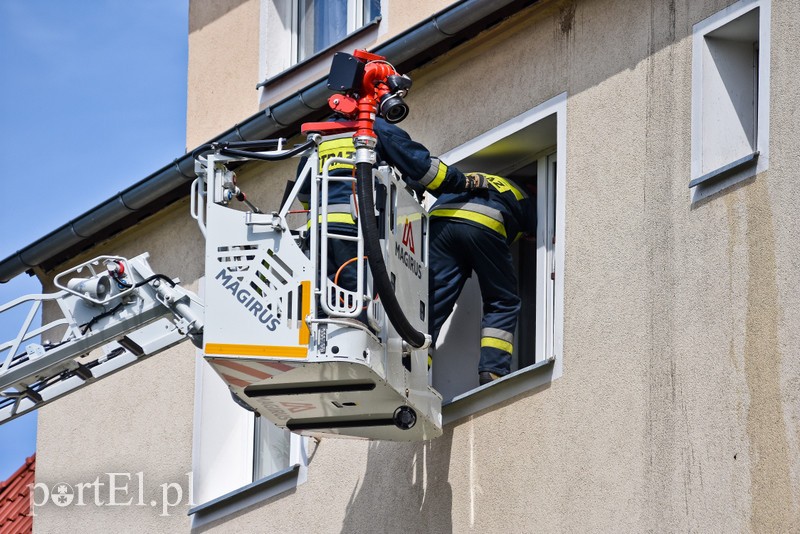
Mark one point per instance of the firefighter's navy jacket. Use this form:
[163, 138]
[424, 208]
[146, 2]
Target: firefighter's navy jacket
[504, 207]
[396, 148]
[471, 231]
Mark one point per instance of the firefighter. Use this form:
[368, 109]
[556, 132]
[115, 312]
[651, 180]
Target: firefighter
[472, 224]
[473, 231]
[340, 214]
[395, 147]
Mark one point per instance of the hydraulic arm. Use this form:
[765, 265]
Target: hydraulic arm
[115, 312]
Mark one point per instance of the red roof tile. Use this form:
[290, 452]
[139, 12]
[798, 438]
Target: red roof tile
[15, 500]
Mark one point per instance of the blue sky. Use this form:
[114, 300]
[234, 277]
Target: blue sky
[92, 99]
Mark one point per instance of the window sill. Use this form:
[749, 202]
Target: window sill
[245, 496]
[497, 391]
[726, 170]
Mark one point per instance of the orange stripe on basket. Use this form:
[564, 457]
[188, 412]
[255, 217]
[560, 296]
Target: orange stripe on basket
[246, 369]
[234, 381]
[304, 334]
[228, 349]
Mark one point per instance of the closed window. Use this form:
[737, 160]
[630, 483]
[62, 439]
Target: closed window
[323, 23]
[232, 447]
[730, 95]
[307, 32]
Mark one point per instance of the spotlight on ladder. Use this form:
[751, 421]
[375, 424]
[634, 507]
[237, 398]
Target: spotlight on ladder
[96, 287]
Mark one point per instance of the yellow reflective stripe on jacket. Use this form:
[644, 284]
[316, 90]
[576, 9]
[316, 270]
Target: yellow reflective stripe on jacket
[483, 220]
[338, 218]
[343, 218]
[336, 148]
[495, 343]
[435, 176]
[482, 214]
[503, 185]
[337, 213]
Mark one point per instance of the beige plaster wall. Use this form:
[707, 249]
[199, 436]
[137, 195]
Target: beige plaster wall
[223, 66]
[136, 421]
[678, 407]
[399, 16]
[224, 60]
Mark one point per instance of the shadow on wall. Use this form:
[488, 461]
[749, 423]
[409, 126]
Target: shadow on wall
[202, 14]
[405, 489]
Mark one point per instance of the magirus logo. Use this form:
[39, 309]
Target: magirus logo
[403, 255]
[408, 236]
[247, 299]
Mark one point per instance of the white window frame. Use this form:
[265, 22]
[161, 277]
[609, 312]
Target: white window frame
[722, 178]
[278, 46]
[224, 464]
[549, 256]
[238, 464]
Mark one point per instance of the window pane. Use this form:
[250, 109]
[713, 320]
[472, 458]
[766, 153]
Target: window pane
[223, 436]
[372, 8]
[271, 449]
[525, 257]
[322, 23]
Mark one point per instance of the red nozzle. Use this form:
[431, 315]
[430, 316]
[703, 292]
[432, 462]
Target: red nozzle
[373, 87]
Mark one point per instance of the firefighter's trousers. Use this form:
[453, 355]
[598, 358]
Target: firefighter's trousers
[456, 250]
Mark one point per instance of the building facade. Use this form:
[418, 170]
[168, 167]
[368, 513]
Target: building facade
[655, 387]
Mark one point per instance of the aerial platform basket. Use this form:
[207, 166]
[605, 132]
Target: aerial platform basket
[290, 343]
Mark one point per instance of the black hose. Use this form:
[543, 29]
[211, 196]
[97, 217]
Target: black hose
[372, 245]
[260, 144]
[202, 149]
[268, 157]
[163, 277]
[87, 326]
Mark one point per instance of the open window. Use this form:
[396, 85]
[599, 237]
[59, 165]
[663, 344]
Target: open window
[530, 149]
[730, 96]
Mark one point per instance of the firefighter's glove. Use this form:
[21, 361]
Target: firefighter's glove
[476, 183]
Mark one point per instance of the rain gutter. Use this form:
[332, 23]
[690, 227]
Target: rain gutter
[409, 50]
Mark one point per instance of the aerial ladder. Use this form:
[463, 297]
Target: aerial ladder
[289, 342]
